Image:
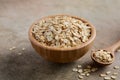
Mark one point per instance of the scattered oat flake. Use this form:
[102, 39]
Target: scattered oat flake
[23, 49]
[81, 77]
[107, 78]
[75, 69]
[80, 70]
[102, 75]
[87, 74]
[19, 53]
[116, 67]
[108, 72]
[113, 77]
[83, 74]
[12, 48]
[79, 66]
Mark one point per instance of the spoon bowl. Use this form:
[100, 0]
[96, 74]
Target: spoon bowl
[110, 49]
[103, 63]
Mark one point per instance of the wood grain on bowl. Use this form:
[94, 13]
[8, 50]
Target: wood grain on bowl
[62, 55]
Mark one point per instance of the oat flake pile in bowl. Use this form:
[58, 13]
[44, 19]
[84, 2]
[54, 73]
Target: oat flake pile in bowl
[61, 31]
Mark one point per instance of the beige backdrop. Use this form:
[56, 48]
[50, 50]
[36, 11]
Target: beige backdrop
[17, 15]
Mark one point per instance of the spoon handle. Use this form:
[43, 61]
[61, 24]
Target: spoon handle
[115, 46]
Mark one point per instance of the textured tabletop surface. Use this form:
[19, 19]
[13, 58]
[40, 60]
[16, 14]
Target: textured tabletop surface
[16, 16]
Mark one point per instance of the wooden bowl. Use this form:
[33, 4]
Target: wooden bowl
[62, 55]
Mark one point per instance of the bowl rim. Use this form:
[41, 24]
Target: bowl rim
[34, 41]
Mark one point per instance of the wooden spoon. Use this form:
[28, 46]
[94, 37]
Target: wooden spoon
[111, 49]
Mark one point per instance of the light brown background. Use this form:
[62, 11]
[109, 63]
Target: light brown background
[17, 15]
